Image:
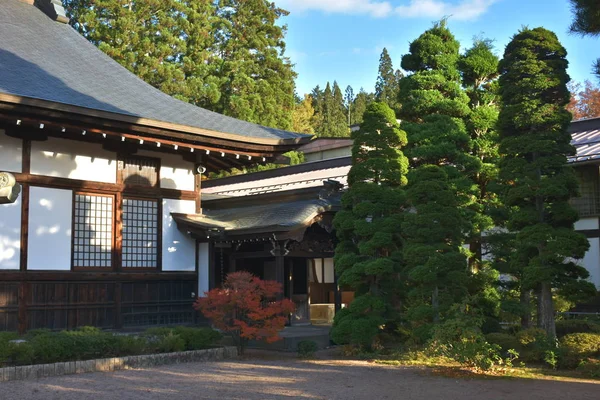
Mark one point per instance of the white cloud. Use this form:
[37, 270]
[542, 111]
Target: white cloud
[458, 9]
[464, 10]
[373, 8]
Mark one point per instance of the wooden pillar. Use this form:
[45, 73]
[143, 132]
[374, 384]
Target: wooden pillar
[279, 272]
[337, 298]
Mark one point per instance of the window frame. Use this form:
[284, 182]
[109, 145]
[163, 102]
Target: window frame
[159, 210]
[113, 241]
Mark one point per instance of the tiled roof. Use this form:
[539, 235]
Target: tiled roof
[278, 217]
[586, 139]
[288, 178]
[45, 60]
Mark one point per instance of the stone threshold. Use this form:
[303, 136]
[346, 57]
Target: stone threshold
[114, 364]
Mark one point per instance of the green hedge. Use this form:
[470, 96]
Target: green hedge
[504, 340]
[577, 347]
[567, 326]
[43, 346]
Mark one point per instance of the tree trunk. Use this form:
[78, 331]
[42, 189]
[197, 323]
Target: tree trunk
[475, 259]
[526, 307]
[546, 310]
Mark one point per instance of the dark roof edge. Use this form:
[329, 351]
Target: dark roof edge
[584, 124]
[263, 198]
[277, 172]
[17, 101]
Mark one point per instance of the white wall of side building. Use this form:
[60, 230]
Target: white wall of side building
[50, 221]
[586, 224]
[591, 261]
[11, 153]
[10, 236]
[72, 159]
[175, 172]
[178, 249]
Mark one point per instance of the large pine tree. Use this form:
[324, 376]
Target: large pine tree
[369, 251]
[330, 118]
[440, 190]
[538, 182]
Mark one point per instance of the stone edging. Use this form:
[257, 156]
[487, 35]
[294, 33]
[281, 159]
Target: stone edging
[114, 364]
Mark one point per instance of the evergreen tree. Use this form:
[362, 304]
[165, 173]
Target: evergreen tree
[348, 101]
[303, 114]
[538, 182]
[330, 115]
[587, 21]
[440, 190]
[257, 81]
[362, 100]
[479, 70]
[386, 87]
[368, 255]
[226, 55]
[127, 32]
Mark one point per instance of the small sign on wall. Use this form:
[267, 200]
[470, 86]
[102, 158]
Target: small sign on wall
[9, 188]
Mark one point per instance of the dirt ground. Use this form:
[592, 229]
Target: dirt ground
[275, 376]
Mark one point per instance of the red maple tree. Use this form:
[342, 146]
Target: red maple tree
[585, 101]
[246, 307]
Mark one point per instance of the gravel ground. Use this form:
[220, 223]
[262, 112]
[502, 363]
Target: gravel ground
[276, 376]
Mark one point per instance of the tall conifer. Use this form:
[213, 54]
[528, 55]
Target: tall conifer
[369, 252]
[538, 182]
[440, 190]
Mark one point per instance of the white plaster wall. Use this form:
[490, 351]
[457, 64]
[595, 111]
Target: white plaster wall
[329, 273]
[203, 265]
[591, 261]
[10, 235]
[175, 172]
[178, 248]
[50, 219]
[586, 223]
[11, 153]
[72, 159]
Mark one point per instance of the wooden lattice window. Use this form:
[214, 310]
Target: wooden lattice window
[588, 203]
[92, 231]
[140, 171]
[140, 233]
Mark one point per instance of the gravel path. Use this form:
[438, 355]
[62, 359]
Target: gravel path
[285, 377]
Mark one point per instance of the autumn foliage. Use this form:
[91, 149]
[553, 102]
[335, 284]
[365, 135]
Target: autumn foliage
[246, 307]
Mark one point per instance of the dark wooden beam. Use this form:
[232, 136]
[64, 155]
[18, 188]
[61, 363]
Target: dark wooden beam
[75, 276]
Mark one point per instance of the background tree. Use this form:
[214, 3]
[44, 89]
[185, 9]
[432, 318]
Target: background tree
[386, 86]
[257, 80]
[362, 100]
[585, 102]
[538, 182]
[330, 116]
[246, 308]
[303, 115]
[348, 102]
[226, 56]
[587, 21]
[127, 32]
[440, 190]
[368, 256]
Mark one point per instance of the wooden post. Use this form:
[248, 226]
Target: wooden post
[118, 315]
[280, 272]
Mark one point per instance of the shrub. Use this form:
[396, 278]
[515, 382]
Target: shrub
[590, 367]
[534, 345]
[129, 345]
[307, 349]
[504, 340]
[20, 353]
[245, 308]
[576, 347]
[169, 343]
[567, 326]
[198, 338]
[52, 347]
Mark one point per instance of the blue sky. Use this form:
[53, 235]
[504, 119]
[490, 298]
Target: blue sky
[341, 40]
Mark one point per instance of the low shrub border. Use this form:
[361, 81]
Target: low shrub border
[114, 364]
